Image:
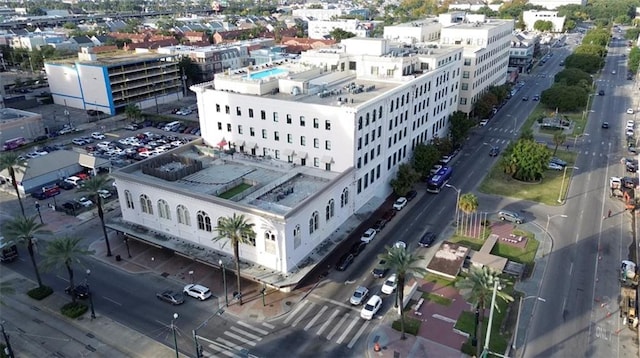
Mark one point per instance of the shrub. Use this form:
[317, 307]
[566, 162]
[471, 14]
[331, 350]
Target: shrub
[411, 326]
[40, 293]
[73, 310]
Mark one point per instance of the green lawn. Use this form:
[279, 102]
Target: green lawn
[516, 254]
[411, 325]
[235, 190]
[473, 244]
[438, 280]
[465, 322]
[443, 301]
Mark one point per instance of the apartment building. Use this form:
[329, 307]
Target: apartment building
[317, 14]
[532, 16]
[320, 29]
[486, 44]
[524, 47]
[314, 142]
[109, 82]
[554, 4]
[410, 33]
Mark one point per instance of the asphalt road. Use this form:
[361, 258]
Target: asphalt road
[579, 317]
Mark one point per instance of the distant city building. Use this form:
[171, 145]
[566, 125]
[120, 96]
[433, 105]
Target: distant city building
[16, 123]
[472, 5]
[321, 29]
[532, 16]
[554, 4]
[524, 47]
[317, 14]
[427, 30]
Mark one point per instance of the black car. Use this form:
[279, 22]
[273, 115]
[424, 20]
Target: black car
[344, 262]
[80, 291]
[41, 138]
[357, 248]
[525, 98]
[175, 298]
[380, 270]
[605, 125]
[494, 151]
[427, 239]
[39, 195]
[65, 185]
[411, 195]
[536, 98]
[601, 93]
[379, 225]
[92, 112]
[72, 205]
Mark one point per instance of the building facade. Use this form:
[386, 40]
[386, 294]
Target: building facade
[16, 123]
[554, 4]
[532, 16]
[414, 32]
[522, 52]
[320, 29]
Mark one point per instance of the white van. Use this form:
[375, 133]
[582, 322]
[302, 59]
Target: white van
[169, 127]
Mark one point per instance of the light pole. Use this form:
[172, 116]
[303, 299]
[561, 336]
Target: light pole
[93, 312]
[224, 282]
[515, 334]
[173, 329]
[496, 287]
[39, 214]
[8, 350]
[575, 139]
[457, 201]
[562, 182]
[549, 217]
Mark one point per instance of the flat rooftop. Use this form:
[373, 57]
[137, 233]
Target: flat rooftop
[10, 114]
[260, 182]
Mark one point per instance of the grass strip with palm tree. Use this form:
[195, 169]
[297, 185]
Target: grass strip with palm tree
[93, 187]
[10, 161]
[62, 253]
[25, 230]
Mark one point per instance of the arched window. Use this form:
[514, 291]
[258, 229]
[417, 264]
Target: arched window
[145, 203]
[329, 210]
[204, 221]
[129, 199]
[269, 242]
[344, 198]
[163, 210]
[297, 237]
[313, 222]
[183, 215]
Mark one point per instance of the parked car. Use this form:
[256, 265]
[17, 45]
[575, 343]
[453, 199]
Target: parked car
[197, 291]
[65, 185]
[379, 225]
[400, 203]
[345, 261]
[605, 125]
[71, 205]
[92, 112]
[427, 239]
[536, 97]
[368, 235]
[558, 161]
[97, 135]
[80, 291]
[74, 180]
[388, 215]
[79, 141]
[494, 151]
[629, 132]
[506, 215]
[104, 194]
[357, 248]
[483, 123]
[435, 169]
[85, 202]
[554, 166]
[411, 195]
[359, 295]
[390, 285]
[175, 298]
[41, 138]
[132, 127]
[629, 110]
[380, 269]
[371, 307]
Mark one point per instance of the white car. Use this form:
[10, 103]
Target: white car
[631, 123]
[390, 285]
[40, 152]
[435, 169]
[400, 203]
[484, 122]
[359, 295]
[97, 135]
[85, 202]
[629, 110]
[79, 141]
[104, 193]
[76, 181]
[371, 307]
[554, 166]
[400, 245]
[197, 291]
[629, 132]
[368, 235]
[103, 145]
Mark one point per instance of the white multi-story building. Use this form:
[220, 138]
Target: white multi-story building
[315, 141]
[320, 29]
[486, 44]
[318, 14]
[427, 30]
[554, 4]
[530, 17]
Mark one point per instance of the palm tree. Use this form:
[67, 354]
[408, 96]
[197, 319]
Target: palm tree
[477, 289]
[8, 161]
[62, 253]
[468, 204]
[132, 112]
[23, 229]
[237, 230]
[93, 187]
[558, 139]
[403, 262]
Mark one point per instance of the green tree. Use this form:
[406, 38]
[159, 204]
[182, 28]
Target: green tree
[468, 203]
[339, 34]
[543, 26]
[189, 69]
[632, 34]
[574, 77]
[69, 26]
[558, 139]
[63, 253]
[9, 161]
[25, 230]
[477, 289]
[459, 126]
[589, 63]
[425, 156]
[444, 145]
[526, 134]
[565, 98]
[93, 187]
[404, 180]
[403, 263]
[237, 230]
[633, 62]
[526, 160]
[132, 112]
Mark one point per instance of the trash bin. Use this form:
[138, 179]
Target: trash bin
[118, 258]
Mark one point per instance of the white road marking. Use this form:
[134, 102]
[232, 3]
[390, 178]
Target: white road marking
[346, 331]
[241, 339]
[250, 335]
[229, 344]
[292, 314]
[302, 316]
[270, 326]
[335, 329]
[313, 321]
[358, 334]
[219, 350]
[247, 325]
[326, 324]
[112, 301]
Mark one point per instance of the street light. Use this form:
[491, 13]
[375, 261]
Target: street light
[173, 329]
[93, 312]
[39, 214]
[224, 282]
[515, 334]
[457, 201]
[562, 182]
[496, 287]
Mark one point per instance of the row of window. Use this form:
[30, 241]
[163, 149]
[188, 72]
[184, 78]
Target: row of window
[274, 115]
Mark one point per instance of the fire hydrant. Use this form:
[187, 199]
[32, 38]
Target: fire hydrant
[376, 347]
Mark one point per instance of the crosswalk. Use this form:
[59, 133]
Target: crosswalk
[236, 341]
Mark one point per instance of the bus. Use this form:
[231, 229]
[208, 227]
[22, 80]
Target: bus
[439, 179]
[14, 143]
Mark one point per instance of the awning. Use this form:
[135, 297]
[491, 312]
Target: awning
[250, 145]
[288, 152]
[326, 159]
[302, 155]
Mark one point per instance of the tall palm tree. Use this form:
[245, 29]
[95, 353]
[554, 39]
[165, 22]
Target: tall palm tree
[468, 204]
[23, 229]
[8, 161]
[93, 187]
[237, 230]
[62, 253]
[477, 289]
[558, 139]
[403, 263]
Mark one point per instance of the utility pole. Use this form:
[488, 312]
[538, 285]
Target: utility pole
[8, 350]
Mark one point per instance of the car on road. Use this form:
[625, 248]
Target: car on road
[97, 136]
[605, 125]
[411, 195]
[85, 202]
[536, 97]
[104, 194]
[629, 132]
[371, 307]
[357, 248]
[388, 215]
[65, 185]
[400, 203]
[629, 110]
[175, 298]
[512, 216]
[345, 261]
[379, 225]
[601, 93]
[359, 295]
[79, 141]
[132, 127]
[390, 284]
[197, 291]
[525, 98]
[368, 235]
[66, 130]
[380, 269]
[435, 169]
[554, 166]
[483, 123]
[80, 291]
[427, 239]
[494, 151]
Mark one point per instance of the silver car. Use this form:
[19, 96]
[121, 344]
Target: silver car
[359, 295]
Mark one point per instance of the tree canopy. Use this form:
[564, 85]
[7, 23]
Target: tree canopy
[574, 77]
[526, 160]
[565, 98]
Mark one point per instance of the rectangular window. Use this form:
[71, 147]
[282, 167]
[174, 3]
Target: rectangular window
[263, 115]
[252, 132]
[239, 129]
[288, 119]
[217, 107]
[226, 110]
[360, 143]
[276, 136]
[465, 86]
[228, 127]
[264, 133]
[302, 122]
[219, 126]
[275, 116]
[277, 154]
[316, 123]
[316, 162]
[316, 143]
[467, 62]
[289, 138]
[359, 163]
[465, 74]
[359, 185]
[303, 141]
[327, 145]
[327, 125]
[366, 139]
[238, 111]
[250, 112]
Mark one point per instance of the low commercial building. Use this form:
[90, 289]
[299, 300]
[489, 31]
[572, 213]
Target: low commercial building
[16, 123]
[530, 18]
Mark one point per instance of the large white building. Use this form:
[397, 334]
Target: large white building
[486, 44]
[427, 30]
[315, 141]
[532, 16]
[554, 4]
[321, 29]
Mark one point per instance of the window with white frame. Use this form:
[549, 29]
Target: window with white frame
[183, 215]
[163, 210]
[146, 205]
[297, 237]
[313, 222]
[329, 210]
[269, 242]
[129, 199]
[344, 197]
[204, 221]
